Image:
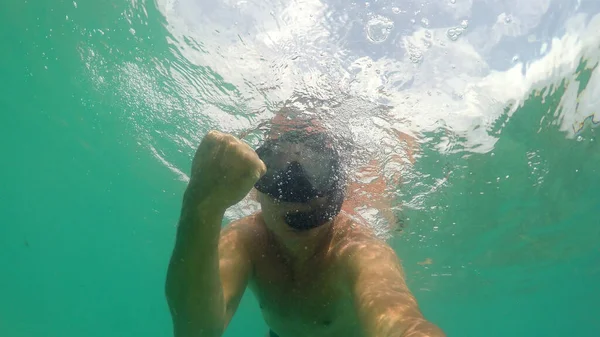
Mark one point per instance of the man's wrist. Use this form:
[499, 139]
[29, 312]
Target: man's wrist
[198, 197]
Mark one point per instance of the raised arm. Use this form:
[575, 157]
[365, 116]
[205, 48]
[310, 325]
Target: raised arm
[209, 270]
[385, 306]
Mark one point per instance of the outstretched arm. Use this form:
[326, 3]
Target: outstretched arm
[385, 306]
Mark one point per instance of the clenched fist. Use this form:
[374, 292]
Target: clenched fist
[224, 170]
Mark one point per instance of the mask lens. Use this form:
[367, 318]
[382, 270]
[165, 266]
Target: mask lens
[317, 166]
[301, 168]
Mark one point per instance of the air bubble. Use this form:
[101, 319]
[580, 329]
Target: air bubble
[454, 33]
[415, 56]
[379, 28]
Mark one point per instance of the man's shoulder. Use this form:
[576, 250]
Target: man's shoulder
[358, 247]
[248, 231]
[250, 225]
[353, 238]
[248, 221]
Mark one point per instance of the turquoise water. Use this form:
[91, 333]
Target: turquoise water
[103, 102]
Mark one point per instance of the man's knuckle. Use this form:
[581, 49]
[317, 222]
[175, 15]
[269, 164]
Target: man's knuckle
[213, 134]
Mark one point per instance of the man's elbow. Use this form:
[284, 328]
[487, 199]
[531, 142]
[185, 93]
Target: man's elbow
[173, 290]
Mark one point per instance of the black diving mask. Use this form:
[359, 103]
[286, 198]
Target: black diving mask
[302, 167]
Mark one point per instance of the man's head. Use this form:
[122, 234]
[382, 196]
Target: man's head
[304, 185]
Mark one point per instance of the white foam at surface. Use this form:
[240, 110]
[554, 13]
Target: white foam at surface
[452, 83]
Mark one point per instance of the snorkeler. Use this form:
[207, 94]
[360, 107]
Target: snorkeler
[313, 271]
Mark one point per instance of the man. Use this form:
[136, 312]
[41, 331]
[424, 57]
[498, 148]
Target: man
[313, 270]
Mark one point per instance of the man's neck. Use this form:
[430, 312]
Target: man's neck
[303, 249]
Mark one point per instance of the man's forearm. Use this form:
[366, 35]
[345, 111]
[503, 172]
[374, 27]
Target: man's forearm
[422, 328]
[193, 286]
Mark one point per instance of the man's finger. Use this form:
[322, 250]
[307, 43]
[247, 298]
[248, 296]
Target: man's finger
[262, 168]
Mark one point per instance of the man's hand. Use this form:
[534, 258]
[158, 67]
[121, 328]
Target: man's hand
[224, 169]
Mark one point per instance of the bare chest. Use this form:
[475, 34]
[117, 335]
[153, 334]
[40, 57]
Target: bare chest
[311, 302]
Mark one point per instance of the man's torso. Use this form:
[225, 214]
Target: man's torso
[313, 300]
